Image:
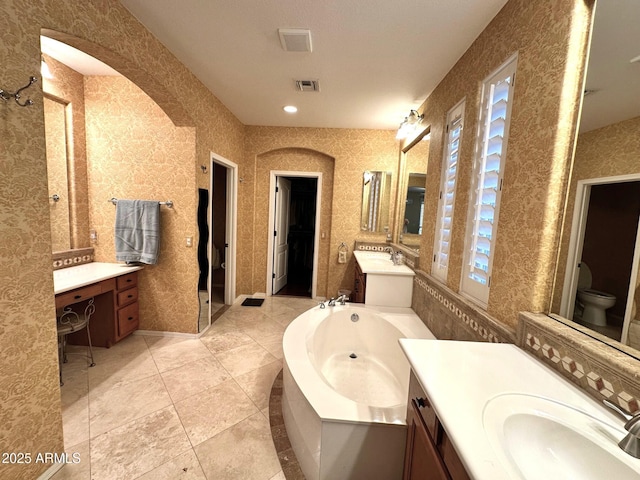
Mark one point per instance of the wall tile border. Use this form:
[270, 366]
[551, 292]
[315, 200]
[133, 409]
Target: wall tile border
[452, 317]
[599, 370]
[71, 258]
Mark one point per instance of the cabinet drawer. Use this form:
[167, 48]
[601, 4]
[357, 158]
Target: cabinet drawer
[128, 296]
[424, 409]
[126, 281]
[78, 295]
[127, 319]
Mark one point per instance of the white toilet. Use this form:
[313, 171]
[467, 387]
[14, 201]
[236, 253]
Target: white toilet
[593, 302]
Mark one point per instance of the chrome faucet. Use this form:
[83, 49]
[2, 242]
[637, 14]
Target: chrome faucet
[341, 299]
[631, 443]
[390, 250]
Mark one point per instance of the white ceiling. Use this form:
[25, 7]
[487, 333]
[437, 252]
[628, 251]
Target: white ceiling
[375, 59]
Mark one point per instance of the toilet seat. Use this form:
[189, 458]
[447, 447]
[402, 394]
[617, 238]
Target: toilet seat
[595, 293]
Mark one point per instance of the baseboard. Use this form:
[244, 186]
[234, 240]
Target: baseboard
[51, 471]
[156, 333]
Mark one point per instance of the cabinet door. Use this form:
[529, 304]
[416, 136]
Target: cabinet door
[422, 461]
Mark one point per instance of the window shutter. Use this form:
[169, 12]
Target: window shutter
[491, 148]
[455, 120]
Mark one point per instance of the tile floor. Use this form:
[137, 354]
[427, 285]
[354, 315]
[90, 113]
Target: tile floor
[158, 408]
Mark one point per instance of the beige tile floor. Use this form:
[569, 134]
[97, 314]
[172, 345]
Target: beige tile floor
[158, 408]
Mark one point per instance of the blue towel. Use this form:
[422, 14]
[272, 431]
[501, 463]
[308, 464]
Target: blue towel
[137, 231]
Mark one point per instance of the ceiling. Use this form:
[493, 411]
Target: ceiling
[374, 59]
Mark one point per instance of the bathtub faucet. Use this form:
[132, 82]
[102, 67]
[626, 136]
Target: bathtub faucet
[341, 299]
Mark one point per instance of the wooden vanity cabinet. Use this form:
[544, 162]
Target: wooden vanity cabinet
[116, 314]
[126, 305]
[359, 285]
[429, 454]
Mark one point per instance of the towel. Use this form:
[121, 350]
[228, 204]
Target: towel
[137, 231]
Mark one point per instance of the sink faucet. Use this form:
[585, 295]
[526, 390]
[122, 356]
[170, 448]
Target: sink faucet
[390, 250]
[631, 443]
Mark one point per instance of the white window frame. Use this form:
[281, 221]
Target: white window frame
[441, 247]
[471, 288]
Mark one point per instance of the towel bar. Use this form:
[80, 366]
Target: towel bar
[168, 203]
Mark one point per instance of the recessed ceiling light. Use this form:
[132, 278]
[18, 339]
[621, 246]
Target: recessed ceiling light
[290, 109]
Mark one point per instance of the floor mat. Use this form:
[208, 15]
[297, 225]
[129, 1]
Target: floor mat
[252, 302]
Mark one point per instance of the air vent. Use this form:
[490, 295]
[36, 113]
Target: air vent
[308, 85]
[295, 39]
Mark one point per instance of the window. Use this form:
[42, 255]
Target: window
[484, 202]
[455, 120]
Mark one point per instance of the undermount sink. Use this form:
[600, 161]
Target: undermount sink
[539, 439]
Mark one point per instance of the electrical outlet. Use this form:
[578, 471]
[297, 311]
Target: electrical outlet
[93, 236]
[189, 241]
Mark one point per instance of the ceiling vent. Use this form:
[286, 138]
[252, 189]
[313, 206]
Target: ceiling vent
[308, 85]
[295, 39]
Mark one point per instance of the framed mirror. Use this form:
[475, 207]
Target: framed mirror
[413, 176]
[57, 172]
[376, 201]
[597, 285]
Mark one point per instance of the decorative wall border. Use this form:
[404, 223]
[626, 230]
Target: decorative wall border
[597, 369]
[71, 258]
[452, 317]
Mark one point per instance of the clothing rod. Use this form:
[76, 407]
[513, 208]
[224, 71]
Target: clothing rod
[168, 203]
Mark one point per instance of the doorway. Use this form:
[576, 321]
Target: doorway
[605, 248]
[217, 213]
[293, 248]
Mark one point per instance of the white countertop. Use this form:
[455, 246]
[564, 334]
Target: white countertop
[380, 263]
[460, 377]
[71, 278]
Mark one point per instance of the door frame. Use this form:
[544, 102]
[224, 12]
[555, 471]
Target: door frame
[316, 236]
[578, 227]
[231, 228]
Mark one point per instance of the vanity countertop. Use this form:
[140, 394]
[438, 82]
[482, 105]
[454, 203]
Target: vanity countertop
[71, 278]
[461, 377]
[379, 263]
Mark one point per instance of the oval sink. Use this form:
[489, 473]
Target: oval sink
[540, 439]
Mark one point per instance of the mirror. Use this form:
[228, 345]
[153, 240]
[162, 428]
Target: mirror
[376, 201]
[413, 171]
[597, 286]
[57, 172]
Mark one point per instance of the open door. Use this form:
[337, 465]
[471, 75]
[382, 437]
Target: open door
[281, 233]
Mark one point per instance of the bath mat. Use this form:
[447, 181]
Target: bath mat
[252, 302]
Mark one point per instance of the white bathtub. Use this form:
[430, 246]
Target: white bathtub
[345, 416]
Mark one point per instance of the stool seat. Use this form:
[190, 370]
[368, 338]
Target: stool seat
[70, 322]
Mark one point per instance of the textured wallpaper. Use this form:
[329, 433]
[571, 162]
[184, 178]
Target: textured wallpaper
[605, 152]
[30, 417]
[136, 152]
[550, 38]
[353, 152]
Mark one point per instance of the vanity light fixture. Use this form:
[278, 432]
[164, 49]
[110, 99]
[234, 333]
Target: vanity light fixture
[409, 125]
[290, 109]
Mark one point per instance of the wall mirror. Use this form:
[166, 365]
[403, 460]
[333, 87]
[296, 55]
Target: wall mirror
[57, 172]
[376, 201]
[413, 177]
[597, 285]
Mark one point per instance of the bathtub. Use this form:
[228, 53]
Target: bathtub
[345, 390]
